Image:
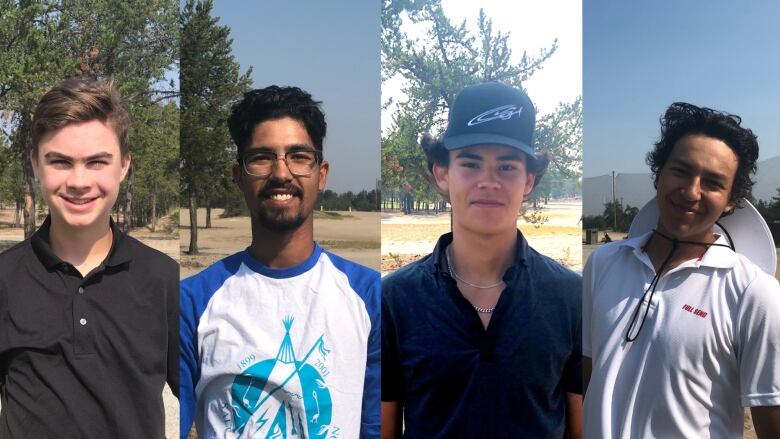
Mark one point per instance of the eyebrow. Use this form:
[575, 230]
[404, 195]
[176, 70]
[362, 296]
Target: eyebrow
[56, 155]
[288, 148]
[721, 177]
[505, 157]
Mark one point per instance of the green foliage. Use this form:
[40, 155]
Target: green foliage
[45, 41]
[365, 201]
[625, 215]
[210, 83]
[434, 69]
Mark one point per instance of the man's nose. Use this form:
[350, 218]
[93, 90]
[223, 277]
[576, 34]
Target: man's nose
[692, 189]
[280, 171]
[488, 178]
[78, 177]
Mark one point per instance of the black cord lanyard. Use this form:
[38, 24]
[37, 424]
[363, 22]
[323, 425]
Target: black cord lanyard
[654, 283]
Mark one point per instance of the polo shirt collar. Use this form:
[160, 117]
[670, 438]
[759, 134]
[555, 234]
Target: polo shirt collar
[41, 244]
[716, 256]
[439, 259]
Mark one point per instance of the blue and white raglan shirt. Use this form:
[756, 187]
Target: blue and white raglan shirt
[289, 352]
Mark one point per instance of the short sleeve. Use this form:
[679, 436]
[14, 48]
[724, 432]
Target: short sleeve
[758, 343]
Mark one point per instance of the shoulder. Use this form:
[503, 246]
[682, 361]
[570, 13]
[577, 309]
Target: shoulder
[11, 258]
[612, 249]
[14, 253]
[149, 258]
[363, 280]
[408, 278]
[549, 271]
[203, 285]
[761, 287]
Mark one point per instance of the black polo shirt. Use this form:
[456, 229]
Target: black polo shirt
[456, 379]
[86, 357]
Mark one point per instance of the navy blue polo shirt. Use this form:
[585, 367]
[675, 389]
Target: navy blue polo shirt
[456, 379]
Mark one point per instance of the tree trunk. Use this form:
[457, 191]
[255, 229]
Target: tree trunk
[128, 207]
[154, 210]
[17, 213]
[22, 141]
[208, 214]
[193, 224]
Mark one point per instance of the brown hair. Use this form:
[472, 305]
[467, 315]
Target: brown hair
[81, 100]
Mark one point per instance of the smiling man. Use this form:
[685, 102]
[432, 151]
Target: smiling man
[481, 338]
[281, 339]
[680, 331]
[88, 315]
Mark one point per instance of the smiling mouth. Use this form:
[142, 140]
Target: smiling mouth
[487, 203]
[79, 201]
[281, 197]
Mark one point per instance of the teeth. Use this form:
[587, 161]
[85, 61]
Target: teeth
[281, 197]
[79, 201]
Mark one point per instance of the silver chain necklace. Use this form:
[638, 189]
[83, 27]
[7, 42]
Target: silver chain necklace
[481, 287]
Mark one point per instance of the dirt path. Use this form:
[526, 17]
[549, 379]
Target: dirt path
[406, 238]
[352, 235]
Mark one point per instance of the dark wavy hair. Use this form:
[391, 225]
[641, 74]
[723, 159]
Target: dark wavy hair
[272, 103]
[436, 153]
[682, 119]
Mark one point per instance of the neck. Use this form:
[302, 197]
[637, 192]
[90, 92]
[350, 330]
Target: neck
[658, 248]
[83, 247]
[482, 259]
[286, 249]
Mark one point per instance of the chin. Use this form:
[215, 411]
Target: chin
[281, 222]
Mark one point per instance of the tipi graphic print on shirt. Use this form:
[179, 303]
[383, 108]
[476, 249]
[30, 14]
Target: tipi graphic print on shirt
[283, 397]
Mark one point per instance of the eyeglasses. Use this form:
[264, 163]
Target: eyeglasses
[300, 162]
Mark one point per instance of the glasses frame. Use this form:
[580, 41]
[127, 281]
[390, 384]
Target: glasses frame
[317, 161]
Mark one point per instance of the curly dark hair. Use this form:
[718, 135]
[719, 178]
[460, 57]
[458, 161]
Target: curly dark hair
[436, 153]
[271, 103]
[682, 119]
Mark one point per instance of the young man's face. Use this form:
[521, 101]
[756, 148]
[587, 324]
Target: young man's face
[281, 201]
[694, 187]
[486, 186]
[80, 167]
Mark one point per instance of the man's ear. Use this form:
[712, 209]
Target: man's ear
[34, 163]
[126, 160]
[441, 177]
[324, 169]
[529, 183]
[730, 207]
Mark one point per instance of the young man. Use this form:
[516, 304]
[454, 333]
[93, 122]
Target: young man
[88, 315]
[281, 339]
[681, 331]
[481, 338]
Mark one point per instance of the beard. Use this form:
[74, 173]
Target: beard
[281, 220]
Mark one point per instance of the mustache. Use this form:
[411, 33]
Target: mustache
[271, 186]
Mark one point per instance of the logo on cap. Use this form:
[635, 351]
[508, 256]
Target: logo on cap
[504, 112]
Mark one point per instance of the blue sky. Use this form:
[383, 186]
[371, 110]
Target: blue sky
[330, 49]
[639, 57]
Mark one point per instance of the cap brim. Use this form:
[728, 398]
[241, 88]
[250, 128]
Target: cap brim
[466, 140]
[746, 227]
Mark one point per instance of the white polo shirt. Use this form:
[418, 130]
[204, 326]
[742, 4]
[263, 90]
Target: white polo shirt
[710, 344]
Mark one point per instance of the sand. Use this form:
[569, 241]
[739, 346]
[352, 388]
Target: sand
[352, 235]
[408, 237]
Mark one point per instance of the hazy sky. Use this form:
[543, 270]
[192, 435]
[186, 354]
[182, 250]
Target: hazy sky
[331, 50]
[639, 57]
